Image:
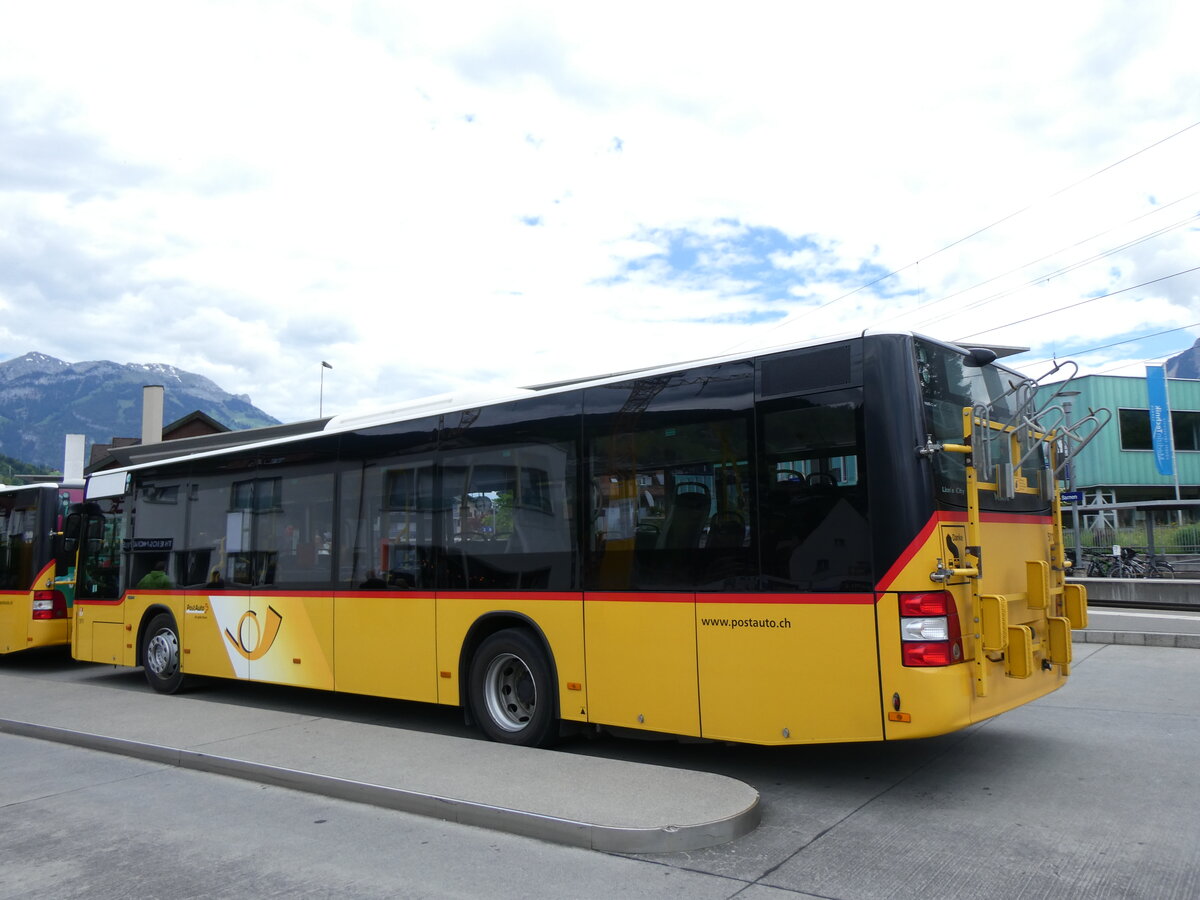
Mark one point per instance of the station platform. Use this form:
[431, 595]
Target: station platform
[600, 804]
[1181, 592]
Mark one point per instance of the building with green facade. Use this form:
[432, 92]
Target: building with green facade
[1118, 465]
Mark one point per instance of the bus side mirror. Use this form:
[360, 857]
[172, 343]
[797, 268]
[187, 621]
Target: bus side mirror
[978, 357]
[70, 534]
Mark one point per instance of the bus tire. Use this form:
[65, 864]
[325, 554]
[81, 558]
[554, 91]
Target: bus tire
[161, 658]
[511, 691]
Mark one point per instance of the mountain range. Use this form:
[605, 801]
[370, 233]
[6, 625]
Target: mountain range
[43, 399]
[1185, 364]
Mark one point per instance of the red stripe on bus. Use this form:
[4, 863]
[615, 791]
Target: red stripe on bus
[794, 599]
[711, 599]
[911, 550]
[857, 599]
[635, 597]
[501, 596]
[959, 517]
[1015, 519]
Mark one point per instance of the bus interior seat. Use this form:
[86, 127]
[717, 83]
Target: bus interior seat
[687, 517]
[725, 530]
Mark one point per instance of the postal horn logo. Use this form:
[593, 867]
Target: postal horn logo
[254, 639]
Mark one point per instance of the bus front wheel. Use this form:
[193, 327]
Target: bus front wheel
[511, 691]
[160, 654]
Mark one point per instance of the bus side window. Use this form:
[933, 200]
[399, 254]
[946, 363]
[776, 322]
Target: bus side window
[815, 532]
[506, 520]
[671, 487]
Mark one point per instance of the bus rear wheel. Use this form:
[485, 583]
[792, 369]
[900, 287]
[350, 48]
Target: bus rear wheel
[160, 654]
[511, 691]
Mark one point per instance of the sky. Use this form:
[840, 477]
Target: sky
[434, 196]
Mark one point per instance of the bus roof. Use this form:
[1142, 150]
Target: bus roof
[13, 488]
[140, 456]
[135, 455]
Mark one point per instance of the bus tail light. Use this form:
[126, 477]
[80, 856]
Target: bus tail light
[49, 605]
[929, 631]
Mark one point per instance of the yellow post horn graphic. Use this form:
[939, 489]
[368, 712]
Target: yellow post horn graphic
[266, 636]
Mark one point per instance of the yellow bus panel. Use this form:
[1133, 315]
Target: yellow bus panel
[108, 642]
[20, 631]
[941, 699]
[641, 658]
[205, 649]
[792, 671]
[92, 619]
[14, 628]
[287, 639]
[384, 644]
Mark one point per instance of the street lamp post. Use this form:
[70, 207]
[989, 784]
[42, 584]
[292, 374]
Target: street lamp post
[321, 401]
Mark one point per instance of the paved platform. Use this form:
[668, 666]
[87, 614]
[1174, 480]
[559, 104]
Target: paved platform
[601, 804]
[1137, 638]
[1160, 593]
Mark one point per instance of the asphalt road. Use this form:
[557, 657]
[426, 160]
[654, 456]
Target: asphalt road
[1090, 792]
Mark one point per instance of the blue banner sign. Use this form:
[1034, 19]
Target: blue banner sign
[1160, 420]
[1071, 496]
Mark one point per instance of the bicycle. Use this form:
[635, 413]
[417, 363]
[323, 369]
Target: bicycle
[1129, 565]
[1099, 563]
[1157, 567]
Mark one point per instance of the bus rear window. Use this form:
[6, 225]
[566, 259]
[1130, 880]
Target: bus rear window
[948, 386]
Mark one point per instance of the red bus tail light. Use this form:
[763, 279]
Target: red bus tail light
[929, 631]
[49, 605]
[939, 653]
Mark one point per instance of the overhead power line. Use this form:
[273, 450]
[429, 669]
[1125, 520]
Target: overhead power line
[1062, 270]
[1082, 302]
[979, 231]
[1144, 337]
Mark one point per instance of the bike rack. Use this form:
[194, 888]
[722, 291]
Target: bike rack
[997, 449]
[1026, 430]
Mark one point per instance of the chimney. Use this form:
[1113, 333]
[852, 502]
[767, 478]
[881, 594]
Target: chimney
[152, 413]
[73, 458]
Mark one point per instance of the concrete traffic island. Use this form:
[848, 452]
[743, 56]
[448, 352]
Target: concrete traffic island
[567, 798]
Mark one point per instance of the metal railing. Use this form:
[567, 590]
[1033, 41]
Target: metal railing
[1166, 528]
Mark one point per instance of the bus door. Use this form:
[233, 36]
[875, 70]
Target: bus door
[98, 634]
[214, 574]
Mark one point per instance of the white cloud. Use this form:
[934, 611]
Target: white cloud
[430, 194]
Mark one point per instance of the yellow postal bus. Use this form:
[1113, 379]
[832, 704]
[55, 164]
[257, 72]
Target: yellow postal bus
[36, 576]
[845, 541]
